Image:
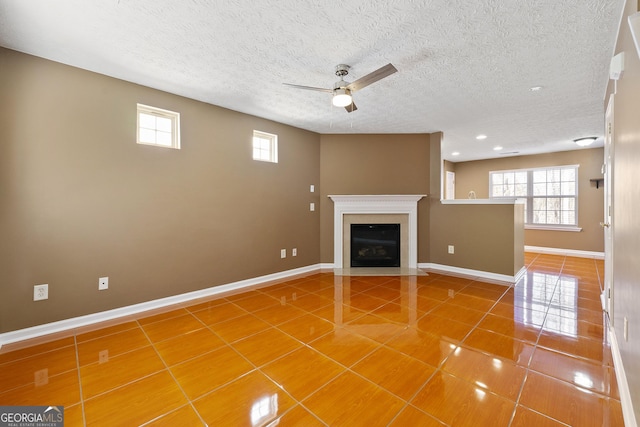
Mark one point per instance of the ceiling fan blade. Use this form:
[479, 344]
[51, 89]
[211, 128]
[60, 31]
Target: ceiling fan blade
[373, 77]
[351, 107]
[317, 89]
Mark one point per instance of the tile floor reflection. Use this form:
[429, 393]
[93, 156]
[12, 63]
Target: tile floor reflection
[326, 350]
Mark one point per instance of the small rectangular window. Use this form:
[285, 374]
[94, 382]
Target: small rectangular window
[265, 147]
[158, 127]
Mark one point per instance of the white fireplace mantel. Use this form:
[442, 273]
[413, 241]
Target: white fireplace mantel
[375, 204]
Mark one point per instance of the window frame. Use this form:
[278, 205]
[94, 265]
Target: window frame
[272, 149]
[530, 196]
[173, 116]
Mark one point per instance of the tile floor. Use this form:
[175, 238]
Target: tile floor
[343, 351]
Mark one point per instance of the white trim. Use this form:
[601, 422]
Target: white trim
[530, 193]
[543, 168]
[500, 201]
[89, 319]
[273, 145]
[623, 384]
[173, 116]
[375, 204]
[552, 228]
[486, 275]
[564, 252]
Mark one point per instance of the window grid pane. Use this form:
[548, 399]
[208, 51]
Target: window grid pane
[163, 124]
[163, 138]
[265, 147]
[550, 194]
[147, 136]
[158, 127]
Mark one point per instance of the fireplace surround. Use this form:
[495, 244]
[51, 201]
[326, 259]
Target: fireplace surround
[376, 209]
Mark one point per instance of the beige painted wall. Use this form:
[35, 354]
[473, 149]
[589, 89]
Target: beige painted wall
[474, 175]
[626, 205]
[373, 164]
[485, 237]
[350, 164]
[79, 199]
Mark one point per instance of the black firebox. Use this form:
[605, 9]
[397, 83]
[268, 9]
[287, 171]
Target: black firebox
[375, 245]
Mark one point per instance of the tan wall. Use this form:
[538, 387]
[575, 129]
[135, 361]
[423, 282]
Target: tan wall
[449, 166]
[79, 199]
[485, 237]
[474, 176]
[626, 205]
[518, 238]
[436, 190]
[373, 164]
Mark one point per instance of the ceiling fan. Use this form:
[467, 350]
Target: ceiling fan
[342, 90]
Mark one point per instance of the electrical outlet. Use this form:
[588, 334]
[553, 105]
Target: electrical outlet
[103, 283]
[40, 292]
[283, 253]
[294, 252]
[451, 249]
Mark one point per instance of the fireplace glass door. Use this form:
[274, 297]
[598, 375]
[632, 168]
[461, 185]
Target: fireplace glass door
[375, 245]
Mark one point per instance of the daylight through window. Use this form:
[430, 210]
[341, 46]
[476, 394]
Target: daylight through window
[550, 194]
[158, 127]
[265, 147]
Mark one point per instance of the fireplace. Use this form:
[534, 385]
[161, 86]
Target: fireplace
[375, 245]
[375, 209]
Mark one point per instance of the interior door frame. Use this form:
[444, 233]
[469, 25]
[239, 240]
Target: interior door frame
[608, 224]
[450, 185]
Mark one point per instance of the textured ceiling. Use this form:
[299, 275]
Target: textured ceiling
[464, 67]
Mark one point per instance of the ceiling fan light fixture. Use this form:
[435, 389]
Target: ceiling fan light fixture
[585, 142]
[341, 97]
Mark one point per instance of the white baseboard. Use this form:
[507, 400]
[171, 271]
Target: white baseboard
[621, 378]
[565, 252]
[485, 275]
[90, 319]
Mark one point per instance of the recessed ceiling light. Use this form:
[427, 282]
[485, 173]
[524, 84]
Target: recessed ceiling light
[455, 153]
[585, 142]
[481, 137]
[497, 148]
[535, 88]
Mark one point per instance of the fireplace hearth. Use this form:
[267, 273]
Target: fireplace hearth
[375, 245]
